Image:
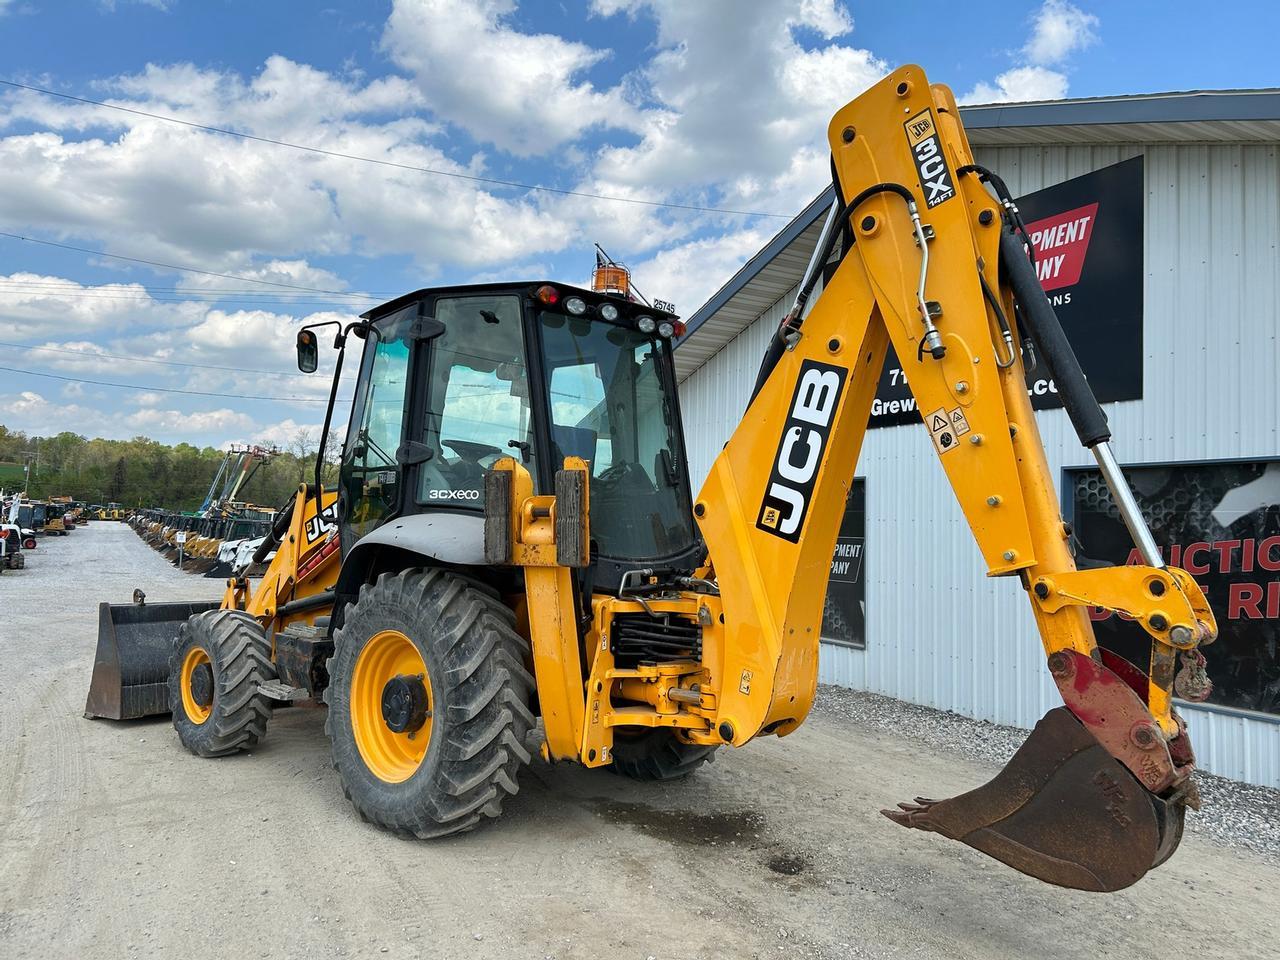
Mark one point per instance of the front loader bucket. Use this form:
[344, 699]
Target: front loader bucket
[131, 667]
[1063, 810]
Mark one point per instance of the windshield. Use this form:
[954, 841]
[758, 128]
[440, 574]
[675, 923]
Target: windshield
[610, 406]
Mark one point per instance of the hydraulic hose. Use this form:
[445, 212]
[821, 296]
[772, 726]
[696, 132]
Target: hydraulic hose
[278, 529]
[1037, 314]
[793, 320]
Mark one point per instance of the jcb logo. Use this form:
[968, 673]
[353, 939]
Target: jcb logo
[804, 438]
[935, 178]
[919, 128]
[321, 524]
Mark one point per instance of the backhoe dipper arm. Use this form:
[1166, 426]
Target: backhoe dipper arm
[939, 270]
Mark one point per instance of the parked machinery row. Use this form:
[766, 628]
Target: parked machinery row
[213, 545]
[222, 535]
[23, 521]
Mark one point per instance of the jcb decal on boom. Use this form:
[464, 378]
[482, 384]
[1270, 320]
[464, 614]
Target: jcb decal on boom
[322, 523]
[804, 438]
[935, 178]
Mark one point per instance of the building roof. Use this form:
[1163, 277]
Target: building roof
[1201, 116]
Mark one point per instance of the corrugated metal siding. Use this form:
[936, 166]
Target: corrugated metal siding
[939, 632]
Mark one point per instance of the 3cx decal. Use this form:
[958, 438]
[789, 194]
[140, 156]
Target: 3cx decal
[931, 165]
[804, 438]
[453, 494]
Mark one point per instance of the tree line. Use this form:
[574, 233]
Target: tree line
[146, 473]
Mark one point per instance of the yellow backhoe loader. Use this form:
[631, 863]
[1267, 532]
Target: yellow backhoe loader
[513, 535]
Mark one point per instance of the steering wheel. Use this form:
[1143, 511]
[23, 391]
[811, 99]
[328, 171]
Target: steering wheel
[620, 472]
[471, 450]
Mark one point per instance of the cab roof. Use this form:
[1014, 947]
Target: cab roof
[516, 288]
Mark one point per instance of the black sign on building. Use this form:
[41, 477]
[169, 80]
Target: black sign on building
[1219, 521]
[844, 615]
[1087, 233]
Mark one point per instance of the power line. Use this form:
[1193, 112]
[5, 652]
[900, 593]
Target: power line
[173, 266]
[391, 163]
[253, 301]
[168, 363]
[136, 386]
[185, 292]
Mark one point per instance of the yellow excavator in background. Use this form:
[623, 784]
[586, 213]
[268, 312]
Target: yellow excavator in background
[513, 535]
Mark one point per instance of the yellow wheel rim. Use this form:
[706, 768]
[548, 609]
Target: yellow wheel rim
[390, 756]
[196, 713]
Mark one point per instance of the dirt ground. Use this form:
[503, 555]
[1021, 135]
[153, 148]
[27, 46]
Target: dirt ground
[114, 842]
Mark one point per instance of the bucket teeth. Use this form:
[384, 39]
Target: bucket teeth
[1063, 810]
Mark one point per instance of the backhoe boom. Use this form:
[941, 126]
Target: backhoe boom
[937, 268]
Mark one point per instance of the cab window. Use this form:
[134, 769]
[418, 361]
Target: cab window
[478, 408]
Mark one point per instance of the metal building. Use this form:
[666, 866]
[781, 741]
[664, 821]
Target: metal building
[937, 631]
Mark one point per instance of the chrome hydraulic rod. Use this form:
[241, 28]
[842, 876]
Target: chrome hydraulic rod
[1127, 505]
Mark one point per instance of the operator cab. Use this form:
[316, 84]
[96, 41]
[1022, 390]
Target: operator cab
[453, 379]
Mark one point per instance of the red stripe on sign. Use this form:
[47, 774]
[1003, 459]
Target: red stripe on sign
[1061, 242]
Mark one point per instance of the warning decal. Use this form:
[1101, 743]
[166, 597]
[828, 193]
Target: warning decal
[946, 427]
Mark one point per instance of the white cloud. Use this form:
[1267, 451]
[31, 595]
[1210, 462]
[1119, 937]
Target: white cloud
[112, 5]
[1019, 85]
[153, 421]
[170, 193]
[1059, 29]
[691, 122]
[279, 434]
[277, 276]
[730, 110]
[523, 92]
[739, 101]
[688, 274]
[34, 413]
[33, 304]
[31, 412]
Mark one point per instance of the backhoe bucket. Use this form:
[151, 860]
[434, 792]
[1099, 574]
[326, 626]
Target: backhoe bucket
[131, 667]
[1063, 810]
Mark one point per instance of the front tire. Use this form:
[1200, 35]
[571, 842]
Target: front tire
[428, 703]
[222, 657]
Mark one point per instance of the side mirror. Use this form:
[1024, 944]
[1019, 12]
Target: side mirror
[308, 351]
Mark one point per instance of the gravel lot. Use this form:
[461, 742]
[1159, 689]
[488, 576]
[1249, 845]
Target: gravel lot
[114, 842]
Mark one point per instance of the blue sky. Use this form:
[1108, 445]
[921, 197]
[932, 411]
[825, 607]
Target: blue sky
[714, 104]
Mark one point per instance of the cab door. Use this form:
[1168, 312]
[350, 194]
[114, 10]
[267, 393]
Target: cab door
[369, 476]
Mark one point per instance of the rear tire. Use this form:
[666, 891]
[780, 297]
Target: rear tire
[236, 651]
[657, 755]
[464, 761]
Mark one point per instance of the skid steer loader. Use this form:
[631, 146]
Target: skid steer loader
[514, 535]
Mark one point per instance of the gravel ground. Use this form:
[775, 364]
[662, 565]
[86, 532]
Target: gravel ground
[1234, 814]
[114, 842]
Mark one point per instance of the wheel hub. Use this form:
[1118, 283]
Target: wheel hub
[390, 695]
[404, 704]
[202, 684]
